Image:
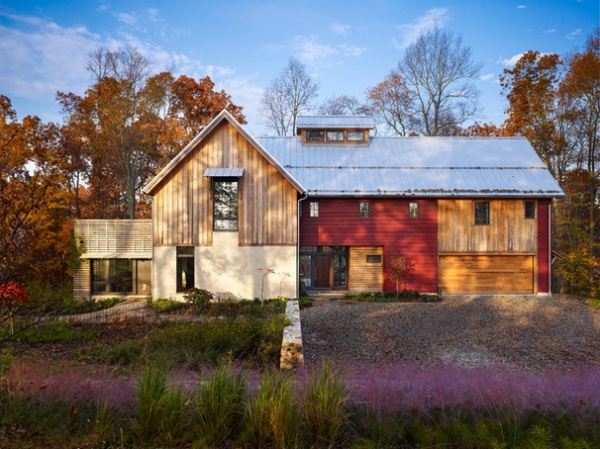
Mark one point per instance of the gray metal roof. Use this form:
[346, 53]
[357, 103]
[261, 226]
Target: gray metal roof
[224, 172]
[416, 166]
[335, 122]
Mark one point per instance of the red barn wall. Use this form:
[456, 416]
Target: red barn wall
[543, 260]
[388, 225]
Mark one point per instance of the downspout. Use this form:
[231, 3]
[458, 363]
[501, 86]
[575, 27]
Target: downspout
[298, 213]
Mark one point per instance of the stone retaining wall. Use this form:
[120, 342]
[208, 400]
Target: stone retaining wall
[292, 355]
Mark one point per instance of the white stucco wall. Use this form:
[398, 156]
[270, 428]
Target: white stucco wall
[228, 269]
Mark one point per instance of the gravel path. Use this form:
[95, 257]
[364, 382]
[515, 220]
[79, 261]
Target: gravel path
[528, 332]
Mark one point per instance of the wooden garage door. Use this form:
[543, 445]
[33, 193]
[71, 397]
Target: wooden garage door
[512, 274]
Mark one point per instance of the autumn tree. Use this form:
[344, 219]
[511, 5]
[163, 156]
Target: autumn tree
[400, 268]
[33, 209]
[534, 110]
[128, 124]
[392, 103]
[289, 94]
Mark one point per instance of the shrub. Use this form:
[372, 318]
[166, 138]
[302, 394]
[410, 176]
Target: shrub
[199, 298]
[164, 305]
[304, 302]
[580, 273]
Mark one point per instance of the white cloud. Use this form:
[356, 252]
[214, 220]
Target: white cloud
[486, 77]
[513, 60]
[550, 30]
[573, 34]
[309, 50]
[127, 18]
[521, 7]
[351, 50]
[409, 32]
[339, 29]
[40, 57]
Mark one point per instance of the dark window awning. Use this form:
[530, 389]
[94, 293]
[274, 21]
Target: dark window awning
[221, 172]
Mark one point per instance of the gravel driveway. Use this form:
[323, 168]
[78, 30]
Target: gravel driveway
[529, 332]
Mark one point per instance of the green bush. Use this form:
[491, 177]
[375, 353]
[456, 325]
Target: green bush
[165, 305]
[56, 332]
[580, 273]
[304, 302]
[199, 298]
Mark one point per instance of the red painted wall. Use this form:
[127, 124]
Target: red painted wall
[388, 225]
[544, 207]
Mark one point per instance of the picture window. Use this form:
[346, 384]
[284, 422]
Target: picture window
[315, 136]
[355, 136]
[225, 208]
[374, 258]
[335, 136]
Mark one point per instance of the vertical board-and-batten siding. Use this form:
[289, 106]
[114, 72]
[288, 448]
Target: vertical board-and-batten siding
[267, 213]
[508, 232]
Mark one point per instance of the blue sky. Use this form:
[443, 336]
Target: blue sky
[347, 45]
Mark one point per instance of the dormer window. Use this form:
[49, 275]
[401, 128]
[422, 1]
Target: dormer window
[355, 136]
[335, 136]
[315, 136]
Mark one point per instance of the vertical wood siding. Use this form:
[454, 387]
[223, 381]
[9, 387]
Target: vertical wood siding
[267, 202]
[508, 231]
[388, 226]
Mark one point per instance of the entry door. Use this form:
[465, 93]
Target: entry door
[322, 270]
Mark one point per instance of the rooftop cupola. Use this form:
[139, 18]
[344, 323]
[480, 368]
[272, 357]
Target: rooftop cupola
[334, 129]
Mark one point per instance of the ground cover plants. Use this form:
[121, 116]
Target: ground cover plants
[395, 296]
[171, 384]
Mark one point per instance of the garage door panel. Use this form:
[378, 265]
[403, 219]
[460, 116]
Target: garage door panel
[486, 274]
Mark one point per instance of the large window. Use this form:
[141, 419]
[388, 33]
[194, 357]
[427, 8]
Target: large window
[123, 276]
[225, 204]
[185, 268]
[482, 212]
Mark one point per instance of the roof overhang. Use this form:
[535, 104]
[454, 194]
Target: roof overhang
[223, 172]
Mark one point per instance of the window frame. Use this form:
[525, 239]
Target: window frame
[315, 135]
[314, 210]
[364, 209]
[481, 217]
[336, 132]
[530, 212]
[355, 133]
[185, 254]
[413, 210]
[218, 220]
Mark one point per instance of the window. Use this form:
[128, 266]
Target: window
[315, 136]
[335, 136]
[529, 209]
[363, 208]
[374, 258]
[225, 208]
[355, 136]
[314, 209]
[482, 212]
[413, 210]
[185, 268]
[125, 276]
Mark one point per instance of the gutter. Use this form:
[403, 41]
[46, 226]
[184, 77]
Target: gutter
[298, 213]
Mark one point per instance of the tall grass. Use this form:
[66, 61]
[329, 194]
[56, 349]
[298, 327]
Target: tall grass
[383, 408]
[325, 400]
[273, 416]
[220, 406]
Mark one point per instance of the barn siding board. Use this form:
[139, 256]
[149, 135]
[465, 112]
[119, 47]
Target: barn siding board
[388, 226]
[183, 203]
